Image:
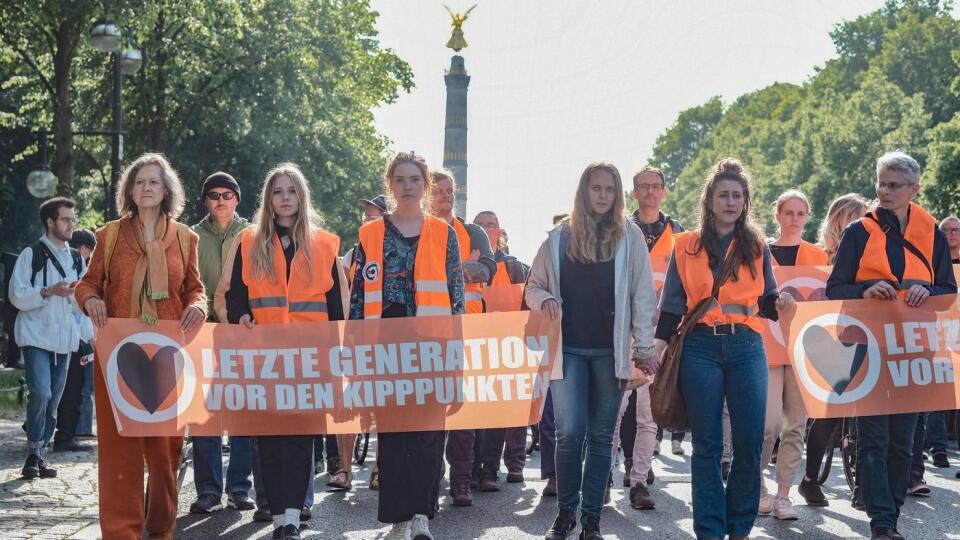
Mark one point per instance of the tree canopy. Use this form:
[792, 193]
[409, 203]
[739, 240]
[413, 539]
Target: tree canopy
[895, 84]
[233, 85]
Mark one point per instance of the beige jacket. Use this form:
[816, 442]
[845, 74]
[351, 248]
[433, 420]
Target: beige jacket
[634, 296]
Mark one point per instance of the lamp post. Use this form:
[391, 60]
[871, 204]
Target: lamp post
[105, 37]
[41, 182]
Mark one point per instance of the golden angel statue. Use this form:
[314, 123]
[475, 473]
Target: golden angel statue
[457, 42]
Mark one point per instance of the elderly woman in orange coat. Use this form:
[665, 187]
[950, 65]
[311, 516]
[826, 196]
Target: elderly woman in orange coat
[151, 275]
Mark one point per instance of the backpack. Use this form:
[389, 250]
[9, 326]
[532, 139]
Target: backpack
[40, 255]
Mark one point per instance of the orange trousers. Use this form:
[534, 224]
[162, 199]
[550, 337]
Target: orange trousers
[120, 473]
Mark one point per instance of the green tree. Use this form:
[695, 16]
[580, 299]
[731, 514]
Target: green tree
[679, 144]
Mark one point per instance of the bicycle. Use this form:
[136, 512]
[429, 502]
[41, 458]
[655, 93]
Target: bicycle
[361, 448]
[844, 437]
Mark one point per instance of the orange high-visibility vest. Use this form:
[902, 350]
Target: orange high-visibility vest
[874, 264]
[807, 255]
[737, 300]
[301, 299]
[501, 277]
[429, 268]
[664, 245]
[472, 292]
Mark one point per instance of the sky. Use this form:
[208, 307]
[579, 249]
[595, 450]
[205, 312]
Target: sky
[557, 85]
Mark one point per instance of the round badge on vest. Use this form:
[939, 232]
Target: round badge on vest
[371, 271]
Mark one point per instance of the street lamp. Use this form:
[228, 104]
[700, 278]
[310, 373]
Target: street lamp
[41, 182]
[105, 37]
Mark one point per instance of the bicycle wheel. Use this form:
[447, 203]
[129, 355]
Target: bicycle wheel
[848, 450]
[361, 448]
[827, 463]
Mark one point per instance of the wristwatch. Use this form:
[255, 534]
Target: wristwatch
[43, 293]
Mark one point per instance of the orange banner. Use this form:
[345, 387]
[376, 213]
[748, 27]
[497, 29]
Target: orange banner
[411, 374]
[868, 357]
[806, 284]
[503, 297]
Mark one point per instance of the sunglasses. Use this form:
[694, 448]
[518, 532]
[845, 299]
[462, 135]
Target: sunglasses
[216, 196]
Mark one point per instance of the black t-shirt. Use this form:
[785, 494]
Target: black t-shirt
[587, 291]
[785, 255]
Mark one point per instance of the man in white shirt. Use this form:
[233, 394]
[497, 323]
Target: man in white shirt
[50, 325]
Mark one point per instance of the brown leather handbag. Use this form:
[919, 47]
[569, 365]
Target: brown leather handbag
[666, 400]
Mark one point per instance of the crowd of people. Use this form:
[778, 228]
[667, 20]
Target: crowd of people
[415, 258]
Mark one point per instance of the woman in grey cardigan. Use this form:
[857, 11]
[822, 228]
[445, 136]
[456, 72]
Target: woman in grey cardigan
[596, 266]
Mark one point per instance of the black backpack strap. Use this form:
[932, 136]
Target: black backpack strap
[77, 261]
[897, 237]
[38, 262]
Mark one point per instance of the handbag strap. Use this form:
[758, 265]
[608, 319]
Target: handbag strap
[701, 308]
[898, 237]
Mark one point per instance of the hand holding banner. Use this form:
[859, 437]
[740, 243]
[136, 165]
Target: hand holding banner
[868, 357]
[411, 374]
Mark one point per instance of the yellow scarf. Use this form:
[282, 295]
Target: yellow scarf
[150, 275]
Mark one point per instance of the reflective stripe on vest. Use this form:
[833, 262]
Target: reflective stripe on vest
[302, 298]
[432, 296]
[875, 266]
[807, 255]
[473, 301]
[737, 300]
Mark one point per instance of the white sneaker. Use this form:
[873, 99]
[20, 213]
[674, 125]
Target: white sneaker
[766, 504]
[783, 509]
[420, 528]
[676, 448]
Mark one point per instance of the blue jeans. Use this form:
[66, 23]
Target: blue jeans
[208, 466]
[884, 452]
[85, 423]
[585, 402]
[937, 432]
[548, 440]
[714, 369]
[46, 374]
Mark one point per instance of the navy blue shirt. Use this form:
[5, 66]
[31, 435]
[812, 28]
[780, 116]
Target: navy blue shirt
[843, 284]
[587, 290]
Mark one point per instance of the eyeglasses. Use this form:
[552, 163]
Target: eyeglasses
[951, 230]
[648, 187]
[892, 186]
[67, 219]
[216, 195]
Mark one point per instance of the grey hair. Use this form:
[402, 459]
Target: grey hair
[899, 161]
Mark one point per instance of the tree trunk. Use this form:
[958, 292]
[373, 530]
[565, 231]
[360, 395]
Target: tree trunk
[156, 116]
[66, 35]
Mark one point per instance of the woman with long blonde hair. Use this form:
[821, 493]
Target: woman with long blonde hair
[595, 265]
[843, 211]
[286, 270]
[720, 283]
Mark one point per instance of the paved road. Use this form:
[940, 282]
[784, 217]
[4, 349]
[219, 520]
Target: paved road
[66, 508]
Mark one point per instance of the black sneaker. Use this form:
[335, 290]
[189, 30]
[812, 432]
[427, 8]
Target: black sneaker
[70, 446]
[31, 469]
[811, 492]
[45, 471]
[650, 477]
[895, 534]
[206, 504]
[240, 500]
[857, 501]
[627, 467]
[305, 515]
[590, 529]
[940, 460]
[290, 531]
[881, 534]
[263, 515]
[277, 532]
[563, 526]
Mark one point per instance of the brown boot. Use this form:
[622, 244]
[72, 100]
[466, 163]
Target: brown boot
[460, 493]
[640, 498]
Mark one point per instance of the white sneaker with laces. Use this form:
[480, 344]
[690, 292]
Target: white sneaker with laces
[766, 504]
[783, 509]
[420, 528]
